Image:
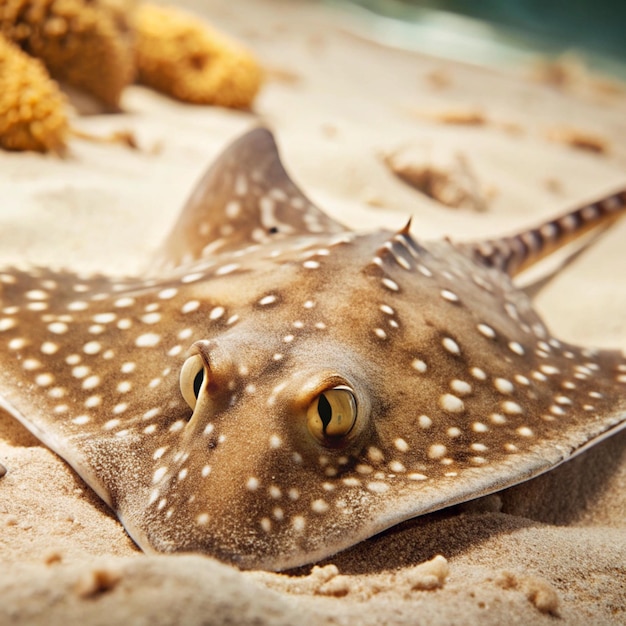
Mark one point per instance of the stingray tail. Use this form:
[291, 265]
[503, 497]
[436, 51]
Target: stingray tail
[518, 252]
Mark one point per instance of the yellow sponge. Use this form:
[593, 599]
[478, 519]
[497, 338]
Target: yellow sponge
[32, 108]
[185, 58]
[86, 43]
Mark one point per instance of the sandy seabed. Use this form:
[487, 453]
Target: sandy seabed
[552, 550]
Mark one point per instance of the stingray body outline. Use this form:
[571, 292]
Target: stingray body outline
[280, 387]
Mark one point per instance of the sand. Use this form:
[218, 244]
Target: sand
[552, 550]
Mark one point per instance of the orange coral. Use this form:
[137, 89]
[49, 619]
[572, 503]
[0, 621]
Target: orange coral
[190, 61]
[83, 42]
[31, 106]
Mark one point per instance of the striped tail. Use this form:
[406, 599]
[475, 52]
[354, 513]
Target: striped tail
[518, 252]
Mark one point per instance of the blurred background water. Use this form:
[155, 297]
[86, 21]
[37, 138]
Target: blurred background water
[497, 31]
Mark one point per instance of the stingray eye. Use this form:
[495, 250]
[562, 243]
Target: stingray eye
[192, 376]
[332, 415]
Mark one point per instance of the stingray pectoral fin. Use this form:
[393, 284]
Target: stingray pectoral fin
[245, 198]
[518, 252]
[131, 521]
[618, 425]
[62, 446]
[420, 498]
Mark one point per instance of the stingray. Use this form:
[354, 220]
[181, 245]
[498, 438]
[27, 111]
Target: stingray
[278, 387]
